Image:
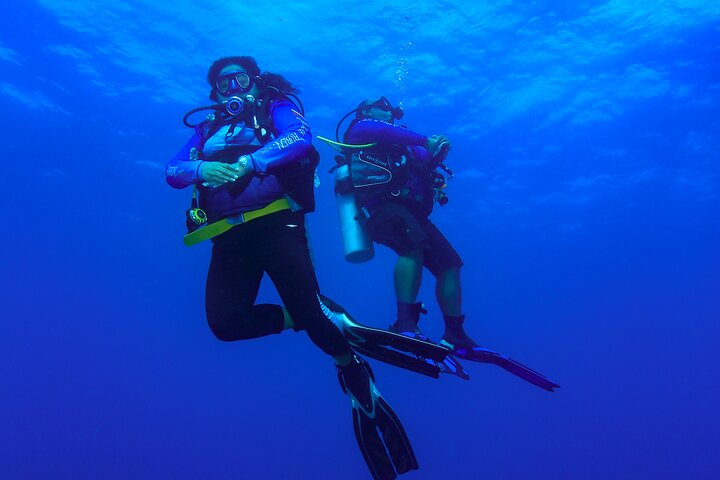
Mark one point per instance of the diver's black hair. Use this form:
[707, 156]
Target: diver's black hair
[266, 79]
[248, 63]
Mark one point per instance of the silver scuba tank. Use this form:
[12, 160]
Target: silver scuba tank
[357, 243]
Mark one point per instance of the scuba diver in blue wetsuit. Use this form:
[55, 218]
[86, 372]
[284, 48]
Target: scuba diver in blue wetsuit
[251, 164]
[395, 176]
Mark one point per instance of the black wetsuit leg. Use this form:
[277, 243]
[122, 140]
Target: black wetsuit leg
[231, 289]
[294, 278]
[240, 258]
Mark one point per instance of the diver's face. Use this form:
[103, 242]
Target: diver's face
[233, 80]
[379, 113]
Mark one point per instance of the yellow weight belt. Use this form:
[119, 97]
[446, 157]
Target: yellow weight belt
[221, 226]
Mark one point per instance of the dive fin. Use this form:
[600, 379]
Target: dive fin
[385, 346]
[390, 454]
[449, 365]
[485, 355]
[399, 359]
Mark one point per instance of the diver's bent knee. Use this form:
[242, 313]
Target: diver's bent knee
[223, 334]
[229, 331]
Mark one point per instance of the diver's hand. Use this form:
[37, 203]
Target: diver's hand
[244, 165]
[437, 145]
[215, 174]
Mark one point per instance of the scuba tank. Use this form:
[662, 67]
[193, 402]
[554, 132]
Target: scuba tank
[356, 242]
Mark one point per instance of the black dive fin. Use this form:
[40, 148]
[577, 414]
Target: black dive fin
[449, 365]
[399, 359]
[387, 455]
[485, 355]
[383, 344]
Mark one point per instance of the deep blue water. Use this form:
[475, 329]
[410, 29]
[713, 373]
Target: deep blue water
[586, 209]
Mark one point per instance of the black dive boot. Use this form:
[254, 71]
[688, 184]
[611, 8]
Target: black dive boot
[408, 318]
[455, 337]
[464, 347]
[373, 416]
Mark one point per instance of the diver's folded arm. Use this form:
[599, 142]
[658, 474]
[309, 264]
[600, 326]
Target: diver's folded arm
[293, 141]
[182, 172]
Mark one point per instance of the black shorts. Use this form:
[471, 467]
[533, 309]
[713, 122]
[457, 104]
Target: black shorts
[395, 226]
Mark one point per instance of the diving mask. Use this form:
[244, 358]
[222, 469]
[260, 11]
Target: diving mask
[236, 82]
[384, 104]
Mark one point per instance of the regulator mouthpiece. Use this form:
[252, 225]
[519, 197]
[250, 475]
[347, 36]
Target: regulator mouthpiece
[235, 106]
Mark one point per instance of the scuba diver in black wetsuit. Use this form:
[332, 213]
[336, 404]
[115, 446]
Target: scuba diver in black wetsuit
[252, 164]
[394, 175]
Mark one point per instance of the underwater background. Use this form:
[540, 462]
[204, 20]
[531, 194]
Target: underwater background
[586, 147]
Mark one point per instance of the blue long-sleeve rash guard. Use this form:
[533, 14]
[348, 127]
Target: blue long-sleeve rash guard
[377, 131]
[292, 143]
